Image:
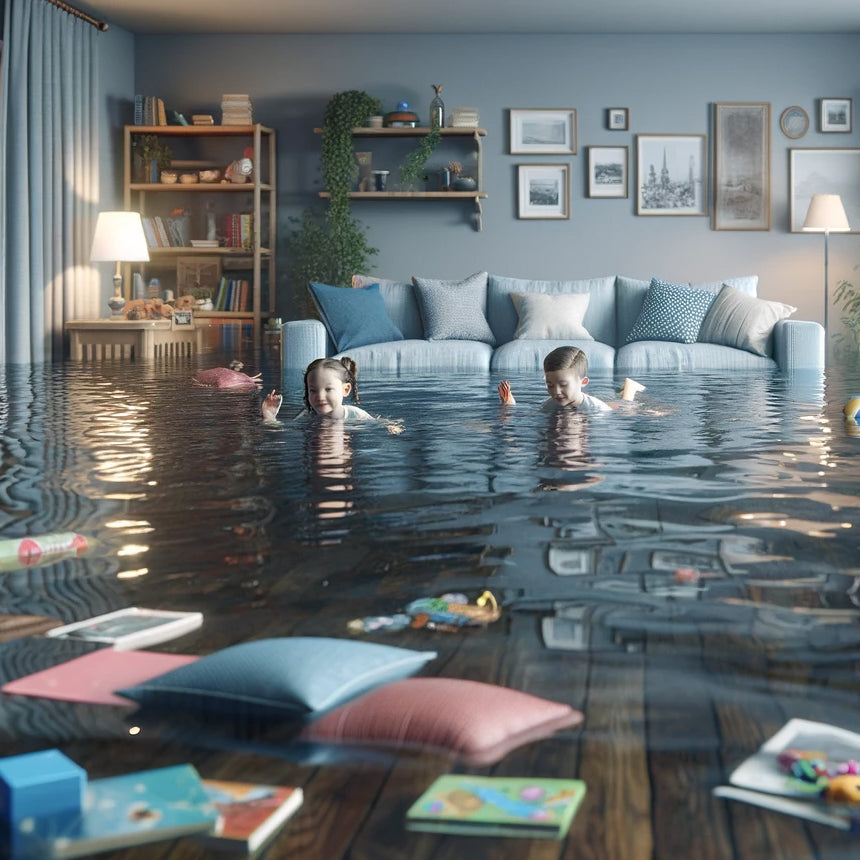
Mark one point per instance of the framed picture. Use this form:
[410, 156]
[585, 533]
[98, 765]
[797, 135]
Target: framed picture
[794, 122]
[835, 115]
[671, 174]
[182, 319]
[824, 171]
[543, 132]
[607, 171]
[742, 166]
[544, 191]
[617, 119]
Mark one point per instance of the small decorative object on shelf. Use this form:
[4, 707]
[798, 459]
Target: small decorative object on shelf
[437, 108]
[402, 117]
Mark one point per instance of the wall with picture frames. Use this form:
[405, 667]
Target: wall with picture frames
[599, 156]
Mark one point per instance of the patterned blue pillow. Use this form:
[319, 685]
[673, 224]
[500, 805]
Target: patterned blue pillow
[354, 317]
[671, 312]
[455, 310]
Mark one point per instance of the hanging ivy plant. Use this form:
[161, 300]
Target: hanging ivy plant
[330, 246]
[412, 168]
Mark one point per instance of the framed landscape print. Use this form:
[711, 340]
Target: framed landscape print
[543, 131]
[835, 115]
[607, 171]
[544, 191]
[617, 119]
[671, 174]
[824, 171]
[742, 166]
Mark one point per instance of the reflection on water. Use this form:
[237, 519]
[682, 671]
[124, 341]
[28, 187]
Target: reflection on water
[715, 506]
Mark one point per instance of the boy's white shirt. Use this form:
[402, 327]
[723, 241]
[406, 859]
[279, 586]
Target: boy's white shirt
[589, 404]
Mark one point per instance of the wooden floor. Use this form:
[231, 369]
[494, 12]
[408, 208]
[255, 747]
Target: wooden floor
[667, 716]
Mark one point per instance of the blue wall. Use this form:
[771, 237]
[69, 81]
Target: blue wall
[669, 83]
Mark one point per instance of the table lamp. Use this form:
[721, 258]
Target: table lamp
[826, 215]
[119, 237]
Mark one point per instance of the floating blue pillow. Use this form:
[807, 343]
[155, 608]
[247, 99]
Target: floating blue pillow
[354, 317]
[288, 677]
[671, 312]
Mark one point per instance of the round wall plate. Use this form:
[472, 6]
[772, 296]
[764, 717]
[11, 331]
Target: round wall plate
[794, 122]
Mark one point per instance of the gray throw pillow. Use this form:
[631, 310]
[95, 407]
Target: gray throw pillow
[455, 310]
[742, 321]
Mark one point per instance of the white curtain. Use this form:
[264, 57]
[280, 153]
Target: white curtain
[48, 177]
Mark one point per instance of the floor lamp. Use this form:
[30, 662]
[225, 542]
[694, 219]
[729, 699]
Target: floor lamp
[826, 215]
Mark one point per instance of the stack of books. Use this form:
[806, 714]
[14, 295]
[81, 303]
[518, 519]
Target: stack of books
[464, 117]
[149, 110]
[202, 119]
[236, 109]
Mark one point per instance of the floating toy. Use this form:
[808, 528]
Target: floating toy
[41, 549]
[224, 377]
[448, 612]
[630, 389]
[852, 407]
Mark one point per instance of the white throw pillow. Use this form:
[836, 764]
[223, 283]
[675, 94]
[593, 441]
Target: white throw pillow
[551, 317]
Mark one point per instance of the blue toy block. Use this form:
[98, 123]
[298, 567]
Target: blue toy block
[40, 784]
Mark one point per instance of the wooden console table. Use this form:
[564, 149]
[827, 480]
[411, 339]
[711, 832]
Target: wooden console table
[131, 339]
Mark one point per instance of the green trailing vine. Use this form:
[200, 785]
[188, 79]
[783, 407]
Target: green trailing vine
[330, 246]
[412, 168]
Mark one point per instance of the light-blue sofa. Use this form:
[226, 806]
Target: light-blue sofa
[614, 307]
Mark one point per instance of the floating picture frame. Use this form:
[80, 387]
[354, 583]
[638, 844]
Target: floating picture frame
[548, 131]
[544, 191]
[824, 171]
[617, 119]
[671, 174]
[607, 171]
[835, 115]
[742, 166]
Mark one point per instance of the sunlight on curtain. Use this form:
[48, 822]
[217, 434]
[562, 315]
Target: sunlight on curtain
[49, 178]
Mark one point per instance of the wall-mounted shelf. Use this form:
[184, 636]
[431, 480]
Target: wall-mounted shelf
[474, 134]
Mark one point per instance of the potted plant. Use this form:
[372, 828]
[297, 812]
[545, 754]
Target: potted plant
[330, 245]
[153, 156]
[847, 298]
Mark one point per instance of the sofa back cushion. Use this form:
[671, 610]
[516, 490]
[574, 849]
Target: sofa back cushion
[631, 292]
[400, 302]
[599, 318]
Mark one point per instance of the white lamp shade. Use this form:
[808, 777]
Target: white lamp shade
[826, 215]
[119, 237]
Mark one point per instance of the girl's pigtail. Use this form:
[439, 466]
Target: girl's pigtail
[351, 376]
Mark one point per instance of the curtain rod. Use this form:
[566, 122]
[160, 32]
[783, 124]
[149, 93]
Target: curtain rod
[99, 25]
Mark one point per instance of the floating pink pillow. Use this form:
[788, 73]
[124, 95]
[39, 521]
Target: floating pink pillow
[479, 722]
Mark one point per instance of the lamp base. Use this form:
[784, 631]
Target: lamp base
[116, 302]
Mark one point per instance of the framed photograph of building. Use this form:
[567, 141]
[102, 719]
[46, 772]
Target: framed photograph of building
[543, 131]
[824, 171]
[835, 115]
[617, 119]
[742, 166]
[607, 171]
[671, 174]
[544, 191]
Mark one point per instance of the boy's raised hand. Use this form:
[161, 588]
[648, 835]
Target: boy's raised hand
[271, 405]
[505, 394]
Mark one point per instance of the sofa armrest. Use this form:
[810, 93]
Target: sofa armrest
[302, 341]
[798, 345]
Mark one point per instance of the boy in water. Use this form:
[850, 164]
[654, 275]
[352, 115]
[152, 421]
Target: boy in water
[566, 373]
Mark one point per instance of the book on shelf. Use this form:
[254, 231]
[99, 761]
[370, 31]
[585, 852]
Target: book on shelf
[130, 628]
[251, 814]
[497, 806]
[138, 109]
[803, 770]
[150, 232]
[133, 809]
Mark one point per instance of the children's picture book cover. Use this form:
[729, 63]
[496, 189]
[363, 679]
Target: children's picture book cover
[497, 806]
[134, 809]
[807, 769]
[251, 814]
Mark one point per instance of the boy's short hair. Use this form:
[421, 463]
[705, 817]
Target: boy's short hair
[567, 358]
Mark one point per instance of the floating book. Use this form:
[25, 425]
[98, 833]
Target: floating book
[251, 814]
[497, 806]
[134, 809]
[130, 628]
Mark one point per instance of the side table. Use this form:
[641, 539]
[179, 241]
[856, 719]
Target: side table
[131, 339]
